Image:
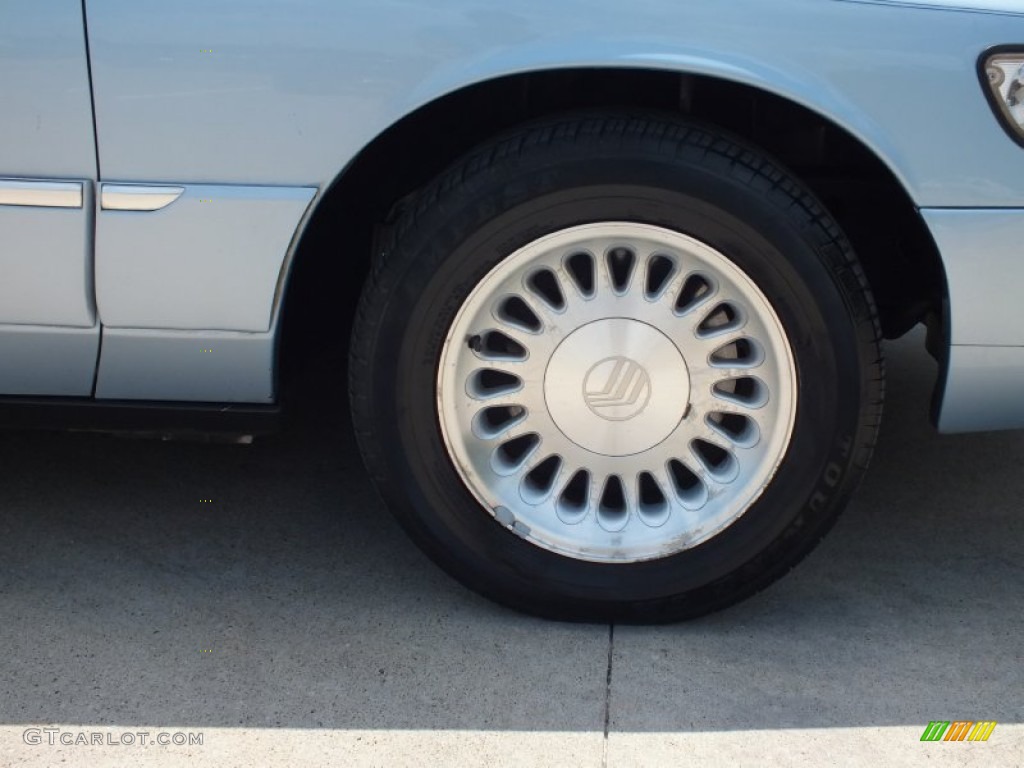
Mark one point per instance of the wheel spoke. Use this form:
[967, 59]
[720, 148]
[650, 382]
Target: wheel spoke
[619, 389]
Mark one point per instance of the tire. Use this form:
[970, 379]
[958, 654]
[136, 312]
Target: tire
[771, 373]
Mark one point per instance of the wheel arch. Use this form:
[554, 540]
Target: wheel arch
[811, 129]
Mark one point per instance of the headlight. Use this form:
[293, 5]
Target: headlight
[1003, 76]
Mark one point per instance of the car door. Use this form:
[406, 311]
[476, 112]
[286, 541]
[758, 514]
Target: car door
[49, 335]
[198, 206]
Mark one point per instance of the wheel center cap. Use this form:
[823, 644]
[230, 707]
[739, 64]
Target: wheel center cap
[617, 387]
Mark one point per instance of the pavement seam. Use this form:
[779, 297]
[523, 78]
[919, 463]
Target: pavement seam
[608, 695]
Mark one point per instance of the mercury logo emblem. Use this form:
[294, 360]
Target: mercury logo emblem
[617, 389]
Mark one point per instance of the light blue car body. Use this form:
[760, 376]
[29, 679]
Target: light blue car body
[252, 109]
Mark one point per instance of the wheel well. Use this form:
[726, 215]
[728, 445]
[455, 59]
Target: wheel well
[890, 238]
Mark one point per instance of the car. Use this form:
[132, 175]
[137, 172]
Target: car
[624, 268]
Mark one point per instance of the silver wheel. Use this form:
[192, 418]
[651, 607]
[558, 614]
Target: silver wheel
[616, 392]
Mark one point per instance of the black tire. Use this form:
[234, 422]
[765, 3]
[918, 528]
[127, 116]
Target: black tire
[579, 169]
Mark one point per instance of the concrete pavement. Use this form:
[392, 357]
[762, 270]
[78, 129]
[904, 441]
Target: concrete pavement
[290, 622]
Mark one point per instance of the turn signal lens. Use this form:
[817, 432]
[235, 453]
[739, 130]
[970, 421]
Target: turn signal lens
[1004, 75]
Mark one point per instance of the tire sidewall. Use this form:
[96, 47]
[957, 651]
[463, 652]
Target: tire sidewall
[454, 246]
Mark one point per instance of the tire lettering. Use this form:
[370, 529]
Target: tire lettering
[845, 447]
[831, 477]
[818, 501]
[833, 474]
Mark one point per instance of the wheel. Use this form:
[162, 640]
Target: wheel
[616, 368]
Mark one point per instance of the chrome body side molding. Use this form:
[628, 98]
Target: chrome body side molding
[137, 197]
[41, 194]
